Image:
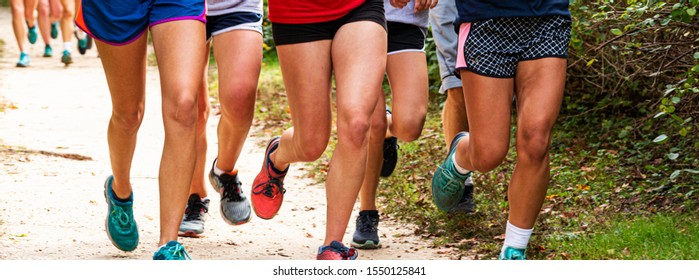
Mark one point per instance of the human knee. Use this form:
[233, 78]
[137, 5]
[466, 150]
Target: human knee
[353, 130]
[237, 104]
[127, 121]
[485, 159]
[379, 126]
[311, 147]
[408, 129]
[17, 10]
[182, 111]
[68, 13]
[533, 144]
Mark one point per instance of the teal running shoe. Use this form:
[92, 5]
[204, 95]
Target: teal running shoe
[513, 254]
[66, 58]
[48, 51]
[54, 30]
[32, 35]
[447, 184]
[172, 251]
[82, 43]
[121, 226]
[23, 60]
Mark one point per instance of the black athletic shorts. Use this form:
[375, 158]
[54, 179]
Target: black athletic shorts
[284, 34]
[404, 37]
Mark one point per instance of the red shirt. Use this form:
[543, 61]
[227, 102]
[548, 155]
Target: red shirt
[309, 11]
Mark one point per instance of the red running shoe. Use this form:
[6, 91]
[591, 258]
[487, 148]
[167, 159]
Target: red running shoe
[268, 187]
[336, 251]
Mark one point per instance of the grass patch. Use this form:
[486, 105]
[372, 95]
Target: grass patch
[4, 3]
[657, 237]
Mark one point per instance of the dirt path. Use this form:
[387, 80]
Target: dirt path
[52, 206]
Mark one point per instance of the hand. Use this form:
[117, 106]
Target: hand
[421, 5]
[399, 3]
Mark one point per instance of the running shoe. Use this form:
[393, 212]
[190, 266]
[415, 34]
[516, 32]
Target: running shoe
[121, 226]
[390, 153]
[66, 58]
[172, 251]
[390, 156]
[48, 51]
[23, 60]
[235, 207]
[82, 43]
[194, 216]
[89, 41]
[467, 204]
[512, 254]
[31, 34]
[54, 30]
[336, 251]
[447, 184]
[268, 187]
[366, 234]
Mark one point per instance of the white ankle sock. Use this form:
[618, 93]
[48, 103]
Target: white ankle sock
[218, 171]
[67, 46]
[461, 170]
[516, 237]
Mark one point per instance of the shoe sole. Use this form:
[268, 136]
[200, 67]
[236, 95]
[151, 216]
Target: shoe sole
[367, 245]
[106, 220]
[451, 147]
[264, 169]
[190, 233]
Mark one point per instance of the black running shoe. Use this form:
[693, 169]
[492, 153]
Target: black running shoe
[366, 234]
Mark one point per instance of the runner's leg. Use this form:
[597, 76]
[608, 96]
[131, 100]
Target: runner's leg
[239, 59]
[540, 85]
[181, 80]
[359, 60]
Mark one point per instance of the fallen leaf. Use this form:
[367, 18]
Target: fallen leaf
[500, 237]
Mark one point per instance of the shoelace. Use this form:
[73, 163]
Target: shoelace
[453, 183]
[176, 252]
[120, 218]
[194, 209]
[367, 223]
[271, 188]
[231, 189]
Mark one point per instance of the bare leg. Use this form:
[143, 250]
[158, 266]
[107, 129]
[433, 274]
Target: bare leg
[181, 80]
[359, 59]
[540, 86]
[309, 99]
[67, 26]
[454, 118]
[18, 23]
[198, 185]
[239, 58]
[29, 15]
[488, 101]
[367, 193]
[125, 68]
[44, 21]
[407, 74]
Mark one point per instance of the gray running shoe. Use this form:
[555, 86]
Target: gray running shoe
[194, 216]
[235, 206]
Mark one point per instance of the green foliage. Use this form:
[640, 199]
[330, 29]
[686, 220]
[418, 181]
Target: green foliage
[632, 86]
[659, 237]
